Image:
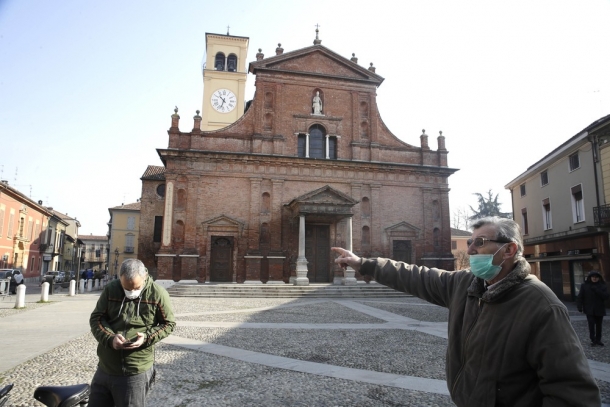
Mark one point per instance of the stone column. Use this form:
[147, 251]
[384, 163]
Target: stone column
[301, 260]
[307, 145]
[327, 147]
[376, 232]
[349, 273]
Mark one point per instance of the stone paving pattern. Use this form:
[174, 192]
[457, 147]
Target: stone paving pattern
[330, 333]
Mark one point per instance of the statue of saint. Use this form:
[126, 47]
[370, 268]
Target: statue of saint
[317, 104]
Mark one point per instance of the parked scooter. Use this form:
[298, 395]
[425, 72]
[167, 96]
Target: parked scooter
[55, 396]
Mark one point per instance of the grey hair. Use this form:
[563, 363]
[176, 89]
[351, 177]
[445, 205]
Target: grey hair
[506, 229]
[131, 268]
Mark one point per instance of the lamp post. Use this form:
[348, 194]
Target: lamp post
[116, 263]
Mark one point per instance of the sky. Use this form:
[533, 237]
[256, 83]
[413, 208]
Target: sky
[87, 88]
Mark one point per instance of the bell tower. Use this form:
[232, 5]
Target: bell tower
[224, 80]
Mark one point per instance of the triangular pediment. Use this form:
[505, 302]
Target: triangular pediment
[223, 223]
[326, 195]
[316, 60]
[403, 229]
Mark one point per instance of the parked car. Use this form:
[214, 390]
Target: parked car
[53, 276]
[15, 276]
[67, 277]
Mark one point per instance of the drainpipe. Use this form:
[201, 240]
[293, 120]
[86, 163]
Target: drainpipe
[512, 203]
[593, 141]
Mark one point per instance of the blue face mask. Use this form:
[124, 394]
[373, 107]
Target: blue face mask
[481, 265]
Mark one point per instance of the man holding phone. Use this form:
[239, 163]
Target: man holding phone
[132, 314]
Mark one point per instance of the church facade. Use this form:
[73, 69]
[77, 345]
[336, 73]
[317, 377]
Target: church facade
[308, 165]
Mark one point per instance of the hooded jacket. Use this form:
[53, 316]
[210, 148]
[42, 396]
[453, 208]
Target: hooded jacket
[592, 296]
[151, 314]
[509, 345]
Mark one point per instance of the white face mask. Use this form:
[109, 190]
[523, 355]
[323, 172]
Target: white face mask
[132, 294]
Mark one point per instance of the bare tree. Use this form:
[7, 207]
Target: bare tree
[461, 218]
[462, 260]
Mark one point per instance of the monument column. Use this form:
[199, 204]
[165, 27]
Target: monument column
[349, 273]
[301, 260]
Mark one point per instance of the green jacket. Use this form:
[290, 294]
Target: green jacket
[511, 344]
[150, 314]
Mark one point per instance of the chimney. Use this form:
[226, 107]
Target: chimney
[175, 119]
[279, 50]
[260, 55]
[197, 125]
[424, 140]
[372, 68]
[441, 141]
[354, 59]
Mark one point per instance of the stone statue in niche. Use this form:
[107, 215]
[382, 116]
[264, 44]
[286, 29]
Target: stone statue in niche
[317, 104]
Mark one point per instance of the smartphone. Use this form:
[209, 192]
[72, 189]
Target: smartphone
[131, 340]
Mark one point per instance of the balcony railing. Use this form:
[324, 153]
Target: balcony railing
[601, 215]
[129, 249]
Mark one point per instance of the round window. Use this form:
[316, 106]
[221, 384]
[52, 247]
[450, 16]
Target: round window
[161, 190]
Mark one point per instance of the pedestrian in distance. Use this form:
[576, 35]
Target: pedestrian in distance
[510, 340]
[132, 314]
[591, 300]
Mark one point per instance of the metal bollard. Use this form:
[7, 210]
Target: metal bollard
[20, 301]
[44, 293]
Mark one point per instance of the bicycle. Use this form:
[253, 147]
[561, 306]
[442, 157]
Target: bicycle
[55, 396]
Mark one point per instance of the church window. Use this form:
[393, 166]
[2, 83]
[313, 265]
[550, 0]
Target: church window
[158, 229]
[161, 190]
[219, 62]
[232, 63]
[179, 231]
[366, 236]
[265, 203]
[316, 142]
[366, 207]
[364, 130]
[265, 237]
[181, 201]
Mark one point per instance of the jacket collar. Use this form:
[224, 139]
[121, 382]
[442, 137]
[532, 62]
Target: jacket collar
[514, 278]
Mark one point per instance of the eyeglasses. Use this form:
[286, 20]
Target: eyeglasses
[480, 241]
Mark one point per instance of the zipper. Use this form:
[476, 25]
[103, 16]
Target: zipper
[457, 378]
[127, 321]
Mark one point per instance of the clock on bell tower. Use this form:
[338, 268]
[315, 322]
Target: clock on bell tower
[224, 80]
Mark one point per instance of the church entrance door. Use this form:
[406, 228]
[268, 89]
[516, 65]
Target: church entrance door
[401, 250]
[221, 262]
[317, 252]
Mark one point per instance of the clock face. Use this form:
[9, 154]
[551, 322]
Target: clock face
[223, 100]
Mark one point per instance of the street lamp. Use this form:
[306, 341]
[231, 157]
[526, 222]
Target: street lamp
[116, 263]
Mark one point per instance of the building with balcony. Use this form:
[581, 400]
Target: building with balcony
[68, 258]
[561, 204]
[23, 224]
[94, 254]
[123, 232]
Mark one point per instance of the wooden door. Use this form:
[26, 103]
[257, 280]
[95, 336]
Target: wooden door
[221, 261]
[317, 252]
[401, 250]
[552, 275]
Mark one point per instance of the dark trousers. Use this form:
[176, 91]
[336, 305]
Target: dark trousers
[119, 391]
[595, 327]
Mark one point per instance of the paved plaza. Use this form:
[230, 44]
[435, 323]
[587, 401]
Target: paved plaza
[258, 351]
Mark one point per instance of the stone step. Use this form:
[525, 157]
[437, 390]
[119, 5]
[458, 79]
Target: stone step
[283, 291]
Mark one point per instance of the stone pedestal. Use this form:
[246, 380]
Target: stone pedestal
[276, 269]
[253, 268]
[165, 266]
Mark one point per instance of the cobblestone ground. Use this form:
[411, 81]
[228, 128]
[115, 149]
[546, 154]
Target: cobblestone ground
[194, 378]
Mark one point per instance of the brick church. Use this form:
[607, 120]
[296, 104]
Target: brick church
[258, 192]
